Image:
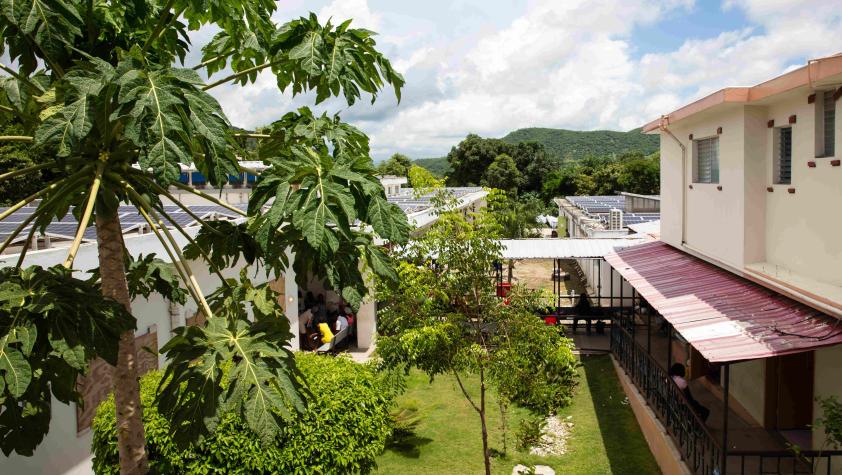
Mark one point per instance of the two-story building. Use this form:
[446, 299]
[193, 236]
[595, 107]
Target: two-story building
[745, 287]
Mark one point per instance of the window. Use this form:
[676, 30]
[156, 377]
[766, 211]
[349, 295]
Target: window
[706, 166]
[825, 124]
[783, 155]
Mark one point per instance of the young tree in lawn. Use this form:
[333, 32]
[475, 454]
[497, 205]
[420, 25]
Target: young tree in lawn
[442, 316]
[96, 87]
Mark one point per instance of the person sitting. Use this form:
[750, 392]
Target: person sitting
[341, 323]
[677, 372]
[305, 321]
[584, 311]
[327, 335]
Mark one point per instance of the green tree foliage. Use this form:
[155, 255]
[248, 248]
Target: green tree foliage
[14, 156]
[575, 144]
[442, 316]
[502, 174]
[439, 167]
[344, 427]
[631, 172]
[117, 117]
[473, 156]
[397, 165]
[51, 325]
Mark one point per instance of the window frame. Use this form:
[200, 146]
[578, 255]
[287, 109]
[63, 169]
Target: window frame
[777, 159]
[714, 168]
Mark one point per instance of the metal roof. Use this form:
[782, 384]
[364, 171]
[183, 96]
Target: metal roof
[564, 248]
[724, 316]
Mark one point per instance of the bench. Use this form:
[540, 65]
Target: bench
[330, 347]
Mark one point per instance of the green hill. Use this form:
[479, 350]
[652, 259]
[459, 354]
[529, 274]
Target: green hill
[577, 144]
[437, 166]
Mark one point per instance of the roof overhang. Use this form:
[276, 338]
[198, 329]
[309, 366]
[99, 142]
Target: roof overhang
[725, 317]
[816, 73]
[565, 248]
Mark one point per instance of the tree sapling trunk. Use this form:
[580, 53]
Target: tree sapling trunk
[486, 453]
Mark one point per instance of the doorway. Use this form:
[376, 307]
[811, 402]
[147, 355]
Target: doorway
[789, 391]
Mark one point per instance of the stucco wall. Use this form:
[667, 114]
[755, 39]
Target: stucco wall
[714, 217]
[748, 386]
[803, 227]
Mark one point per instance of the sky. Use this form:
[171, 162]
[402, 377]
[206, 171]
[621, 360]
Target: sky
[492, 66]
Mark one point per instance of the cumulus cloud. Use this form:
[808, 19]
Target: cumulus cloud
[570, 64]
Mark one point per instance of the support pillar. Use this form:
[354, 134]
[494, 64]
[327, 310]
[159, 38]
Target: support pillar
[725, 389]
[599, 283]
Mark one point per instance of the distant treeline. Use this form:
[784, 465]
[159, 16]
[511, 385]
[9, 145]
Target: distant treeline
[580, 163]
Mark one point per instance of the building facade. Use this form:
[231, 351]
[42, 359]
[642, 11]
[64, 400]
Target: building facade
[747, 282]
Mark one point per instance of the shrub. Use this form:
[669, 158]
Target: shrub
[343, 429]
[529, 432]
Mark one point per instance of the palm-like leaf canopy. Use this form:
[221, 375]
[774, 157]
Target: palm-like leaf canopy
[119, 118]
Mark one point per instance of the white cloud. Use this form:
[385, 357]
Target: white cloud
[569, 64]
[341, 10]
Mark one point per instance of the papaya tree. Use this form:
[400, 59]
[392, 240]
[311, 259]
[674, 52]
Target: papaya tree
[101, 89]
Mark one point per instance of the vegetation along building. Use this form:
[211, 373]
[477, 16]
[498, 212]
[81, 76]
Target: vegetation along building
[745, 287]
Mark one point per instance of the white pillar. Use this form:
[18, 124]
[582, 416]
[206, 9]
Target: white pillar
[366, 324]
[291, 303]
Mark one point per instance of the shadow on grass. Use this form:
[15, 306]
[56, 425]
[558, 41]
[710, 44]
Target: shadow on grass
[408, 446]
[624, 443]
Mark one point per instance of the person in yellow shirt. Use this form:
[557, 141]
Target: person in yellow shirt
[327, 335]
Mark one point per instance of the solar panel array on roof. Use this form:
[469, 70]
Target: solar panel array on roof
[130, 220]
[409, 203]
[600, 206]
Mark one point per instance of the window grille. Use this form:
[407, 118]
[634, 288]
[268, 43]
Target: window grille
[783, 156]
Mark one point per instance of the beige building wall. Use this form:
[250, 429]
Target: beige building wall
[714, 217]
[748, 388]
[803, 225]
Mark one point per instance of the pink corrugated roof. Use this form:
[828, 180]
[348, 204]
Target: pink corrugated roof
[725, 317]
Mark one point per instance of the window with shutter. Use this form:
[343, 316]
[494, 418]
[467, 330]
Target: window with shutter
[825, 124]
[783, 155]
[706, 168]
[829, 124]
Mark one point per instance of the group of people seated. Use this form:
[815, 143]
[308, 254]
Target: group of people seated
[319, 321]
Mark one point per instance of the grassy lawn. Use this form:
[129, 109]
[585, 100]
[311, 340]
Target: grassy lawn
[605, 438]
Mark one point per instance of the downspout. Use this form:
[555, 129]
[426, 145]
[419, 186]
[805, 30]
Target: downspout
[663, 127]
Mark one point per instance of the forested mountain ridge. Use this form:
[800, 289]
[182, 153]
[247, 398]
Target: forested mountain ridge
[575, 144]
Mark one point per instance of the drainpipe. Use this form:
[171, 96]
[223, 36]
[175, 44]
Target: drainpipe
[663, 127]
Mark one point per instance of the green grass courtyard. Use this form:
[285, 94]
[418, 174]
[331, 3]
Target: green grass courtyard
[605, 438]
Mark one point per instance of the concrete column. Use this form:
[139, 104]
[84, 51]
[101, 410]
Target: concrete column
[291, 303]
[366, 324]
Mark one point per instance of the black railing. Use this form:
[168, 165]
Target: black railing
[697, 446]
[813, 462]
[699, 449]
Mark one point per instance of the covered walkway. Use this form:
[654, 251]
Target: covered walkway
[689, 311]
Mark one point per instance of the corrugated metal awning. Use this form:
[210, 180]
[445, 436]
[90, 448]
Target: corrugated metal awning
[724, 316]
[564, 248]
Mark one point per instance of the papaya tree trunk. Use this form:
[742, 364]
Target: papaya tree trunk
[131, 441]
